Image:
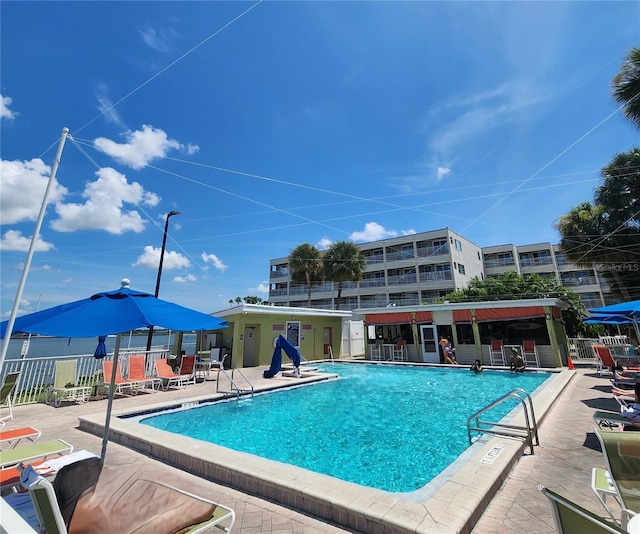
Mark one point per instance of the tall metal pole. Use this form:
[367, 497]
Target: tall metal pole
[32, 246]
[164, 244]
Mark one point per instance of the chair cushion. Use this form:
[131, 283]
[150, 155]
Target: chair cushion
[127, 501]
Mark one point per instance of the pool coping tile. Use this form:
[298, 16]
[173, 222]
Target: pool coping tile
[352, 506]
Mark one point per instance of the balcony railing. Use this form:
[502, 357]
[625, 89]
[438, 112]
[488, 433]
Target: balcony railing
[400, 255]
[534, 262]
[281, 273]
[372, 282]
[372, 260]
[425, 252]
[37, 374]
[499, 262]
[408, 301]
[409, 278]
[436, 276]
[278, 292]
[581, 281]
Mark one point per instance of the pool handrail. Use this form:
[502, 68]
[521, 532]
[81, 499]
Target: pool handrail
[528, 432]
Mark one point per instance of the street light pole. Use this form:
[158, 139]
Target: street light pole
[164, 244]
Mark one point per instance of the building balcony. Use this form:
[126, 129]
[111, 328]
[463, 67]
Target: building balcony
[400, 255]
[402, 279]
[372, 282]
[436, 276]
[499, 263]
[535, 262]
[426, 252]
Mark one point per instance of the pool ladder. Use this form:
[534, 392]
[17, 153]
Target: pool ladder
[234, 387]
[529, 432]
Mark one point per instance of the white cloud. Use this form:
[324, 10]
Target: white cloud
[24, 307]
[5, 112]
[324, 243]
[212, 258]
[472, 116]
[262, 287]
[185, 279]
[103, 209]
[442, 172]
[192, 149]
[410, 231]
[15, 241]
[372, 232]
[142, 146]
[19, 177]
[106, 107]
[150, 259]
[160, 39]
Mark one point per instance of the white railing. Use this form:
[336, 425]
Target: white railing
[37, 374]
[580, 350]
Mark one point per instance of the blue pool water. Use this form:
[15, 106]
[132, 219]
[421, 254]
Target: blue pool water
[388, 427]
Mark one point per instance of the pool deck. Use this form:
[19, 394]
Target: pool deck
[563, 461]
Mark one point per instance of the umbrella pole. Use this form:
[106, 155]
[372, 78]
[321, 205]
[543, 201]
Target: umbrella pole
[112, 388]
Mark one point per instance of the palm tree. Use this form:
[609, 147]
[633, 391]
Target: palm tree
[305, 263]
[607, 232]
[620, 192]
[625, 86]
[343, 262]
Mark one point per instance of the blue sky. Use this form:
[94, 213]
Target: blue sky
[269, 124]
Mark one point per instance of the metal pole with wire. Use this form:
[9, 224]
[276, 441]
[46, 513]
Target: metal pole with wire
[164, 244]
[32, 246]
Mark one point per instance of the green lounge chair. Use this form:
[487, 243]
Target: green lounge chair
[606, 419]
[65, 385]
[602, 486]
[622, 455]
[33, 452]
[8, 385]
[571, 518]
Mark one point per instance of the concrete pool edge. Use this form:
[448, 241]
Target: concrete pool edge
[454, 507]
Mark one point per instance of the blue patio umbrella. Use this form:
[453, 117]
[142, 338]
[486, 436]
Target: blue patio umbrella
[112, 312]
[607, 319]
[629, 310]
[101, 349]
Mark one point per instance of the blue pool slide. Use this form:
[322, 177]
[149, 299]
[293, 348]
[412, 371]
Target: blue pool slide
[276, 361]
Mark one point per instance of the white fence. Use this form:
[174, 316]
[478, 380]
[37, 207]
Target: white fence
[37, 374]
[580, 350]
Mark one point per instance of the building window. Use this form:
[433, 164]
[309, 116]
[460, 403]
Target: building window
[461, 268]
[458, 245]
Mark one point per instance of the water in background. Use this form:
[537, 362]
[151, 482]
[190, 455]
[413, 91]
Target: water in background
[41, 347]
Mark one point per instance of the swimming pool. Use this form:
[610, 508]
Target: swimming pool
[387, 427]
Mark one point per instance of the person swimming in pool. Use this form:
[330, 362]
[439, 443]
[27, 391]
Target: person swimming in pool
[448, 351]
[517, 363]
[476, 367]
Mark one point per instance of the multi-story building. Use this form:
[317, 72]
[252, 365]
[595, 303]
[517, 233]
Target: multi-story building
[400, 271]
[421, 268]
[547, 260]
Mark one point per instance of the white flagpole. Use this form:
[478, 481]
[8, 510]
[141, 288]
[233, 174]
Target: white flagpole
[32, 246]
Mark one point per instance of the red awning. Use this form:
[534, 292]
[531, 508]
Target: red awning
[461, 316]
[504, 314]
[388, 318]
[424, 317]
